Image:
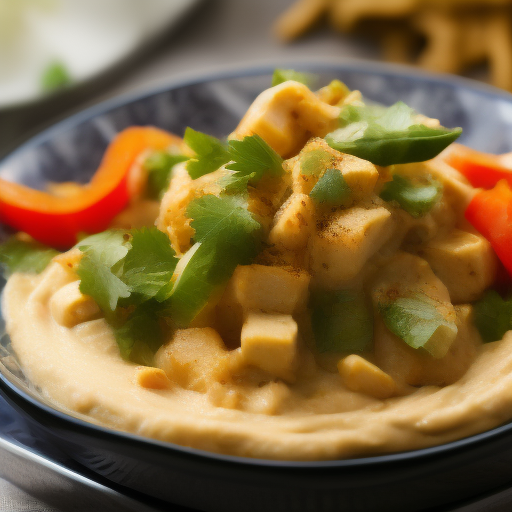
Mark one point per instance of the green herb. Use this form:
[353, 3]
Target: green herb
[341, 321]
[492, 316]
[314, 162]
[210, 153]
[331, 189]
[418, 322]
[54, 77]
[150, 263]
[226, 235]
[387, 136]
[159, 166]
[415, 199]
[235, 183]
[108, 247]
[283, 75]
[253, 156]
[141, 335]
[24, 256]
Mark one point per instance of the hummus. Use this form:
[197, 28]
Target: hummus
[248, 376]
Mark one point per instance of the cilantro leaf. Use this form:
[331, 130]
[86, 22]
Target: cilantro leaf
[331, 189]
[108, 247]
[314, 162]
[283, 75]
[24, 256]
[98, 281]
[387, 136]
[418, 322]
[492, 316]
[236, 183]
[341, 321]
[141, 335]
[150, 263]
[226, 235]
[252, 155]
[159, 166]
[210, 153]
[415, 199]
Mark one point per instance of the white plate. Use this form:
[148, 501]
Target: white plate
[86, 36]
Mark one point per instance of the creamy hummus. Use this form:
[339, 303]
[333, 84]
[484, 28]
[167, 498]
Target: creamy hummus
[247, 377]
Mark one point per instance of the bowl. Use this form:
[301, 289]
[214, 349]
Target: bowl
[416, 480]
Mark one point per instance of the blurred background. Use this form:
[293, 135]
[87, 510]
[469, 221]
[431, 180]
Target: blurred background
[60, 56]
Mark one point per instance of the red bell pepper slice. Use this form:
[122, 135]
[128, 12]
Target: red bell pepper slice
[56, 220]
[481, 169]
[490, 212]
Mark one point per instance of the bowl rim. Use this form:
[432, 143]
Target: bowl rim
[8, 386]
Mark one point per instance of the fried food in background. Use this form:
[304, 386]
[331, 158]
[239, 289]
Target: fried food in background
[448, 36]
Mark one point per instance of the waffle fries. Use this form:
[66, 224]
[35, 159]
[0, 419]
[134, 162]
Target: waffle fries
[439, 35]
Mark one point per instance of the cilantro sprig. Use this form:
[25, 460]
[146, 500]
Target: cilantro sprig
[159, 165]
[18, 255]
[251, 158]
[331, 189]
[226, 235]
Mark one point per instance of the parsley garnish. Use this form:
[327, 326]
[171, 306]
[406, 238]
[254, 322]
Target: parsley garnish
[24, 256]
[54, 77]
[211, 153]
[415, 199]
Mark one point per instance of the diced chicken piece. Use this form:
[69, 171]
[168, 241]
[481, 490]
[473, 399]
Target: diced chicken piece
[360, 175]
[271, 289]
[406, 275]
[286, 116]
[151, 378]
[360, 375]
[465, 263]
[69, 306]
[344, 242]
[417, 367]
[293, 223]
[194, 358]
[269, 342]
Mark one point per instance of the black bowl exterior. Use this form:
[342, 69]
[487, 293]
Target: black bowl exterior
[420, 480]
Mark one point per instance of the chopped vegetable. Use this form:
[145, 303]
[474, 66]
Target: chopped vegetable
[481, 169]
[490, 212]
[341, 321]
[331, 189]
[226, 235]
[55, 76]
[387, 136]
[56, 221]
[24, 256]
[418, 322]
[415, 199]
[282, 75]
[211, 153]
[314, 162]
[492, 316]
[159, 165]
